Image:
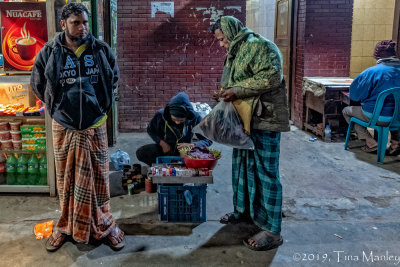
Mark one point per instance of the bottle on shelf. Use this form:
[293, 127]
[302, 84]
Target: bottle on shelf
[43, 165]
[33, 170]
[22, 166]
[11, 164]
[33, 165]
[328, 133]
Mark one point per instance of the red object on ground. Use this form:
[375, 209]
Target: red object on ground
[148, 185]
[199, 163]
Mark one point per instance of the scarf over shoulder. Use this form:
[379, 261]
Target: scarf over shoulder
[253, 67]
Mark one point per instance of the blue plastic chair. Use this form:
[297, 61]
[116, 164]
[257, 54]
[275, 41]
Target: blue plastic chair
[382, 131]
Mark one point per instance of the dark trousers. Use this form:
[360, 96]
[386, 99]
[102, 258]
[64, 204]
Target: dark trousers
[149, 153]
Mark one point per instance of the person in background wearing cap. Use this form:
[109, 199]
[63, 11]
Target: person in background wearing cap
[365, 89]
[171, 129]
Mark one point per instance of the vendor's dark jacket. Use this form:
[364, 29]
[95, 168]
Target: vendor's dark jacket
[161, 127]
[77, 91]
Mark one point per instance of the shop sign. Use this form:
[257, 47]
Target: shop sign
[11, 93]
[24, 33]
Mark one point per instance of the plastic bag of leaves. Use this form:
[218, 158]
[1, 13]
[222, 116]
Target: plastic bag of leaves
[223, 125]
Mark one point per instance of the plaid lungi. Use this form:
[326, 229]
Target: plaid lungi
[257, 190]
[81, 161]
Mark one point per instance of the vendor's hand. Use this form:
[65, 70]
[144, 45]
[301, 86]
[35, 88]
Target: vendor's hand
[165, 147]
[228, 95]
[183, 145]
[216, 95]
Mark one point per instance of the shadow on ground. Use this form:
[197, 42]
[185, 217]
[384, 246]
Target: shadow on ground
[224, 248]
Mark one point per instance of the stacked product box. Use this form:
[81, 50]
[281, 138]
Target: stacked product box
[33, 137]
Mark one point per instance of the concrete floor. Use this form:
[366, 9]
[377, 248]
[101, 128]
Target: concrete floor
[328, 192]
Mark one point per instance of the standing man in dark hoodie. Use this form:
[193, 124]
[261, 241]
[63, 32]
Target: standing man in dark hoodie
[171, 130]
[75, 75]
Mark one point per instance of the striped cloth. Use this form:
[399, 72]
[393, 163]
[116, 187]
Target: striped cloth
[257, 190]
[81, 161]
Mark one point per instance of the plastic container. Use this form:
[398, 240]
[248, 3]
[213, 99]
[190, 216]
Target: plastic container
[5, 135]
[170, 160]
[200, 163]
[15, 125]
[4, 126]
[7, 144]
[17, 144]
[327, 134]
[16, 135]
[182, 203]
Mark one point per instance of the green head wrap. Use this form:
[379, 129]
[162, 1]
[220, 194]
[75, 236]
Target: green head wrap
[235, 33]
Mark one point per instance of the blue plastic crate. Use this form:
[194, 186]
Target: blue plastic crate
[174, 207]
[170, 160]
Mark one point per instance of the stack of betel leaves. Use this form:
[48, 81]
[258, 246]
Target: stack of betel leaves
[200, 153]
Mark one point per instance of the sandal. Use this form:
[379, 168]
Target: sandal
[393, 151]
[368, 149]
[58, 237]
[263, 242]
[113, 237]
[235, 218]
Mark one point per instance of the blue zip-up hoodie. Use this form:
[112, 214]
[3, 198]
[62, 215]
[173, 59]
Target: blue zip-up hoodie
[367, 85]
[77, 92]
[161, 126]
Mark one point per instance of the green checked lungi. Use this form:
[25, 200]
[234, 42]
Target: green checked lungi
[257, 190]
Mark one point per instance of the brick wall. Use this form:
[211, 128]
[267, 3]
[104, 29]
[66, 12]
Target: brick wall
[323, 43]
[162, 55]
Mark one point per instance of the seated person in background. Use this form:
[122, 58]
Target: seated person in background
[171, 130]
[366, 88]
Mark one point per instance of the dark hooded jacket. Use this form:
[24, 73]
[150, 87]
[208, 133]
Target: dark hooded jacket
[77, 91]
[161, 127]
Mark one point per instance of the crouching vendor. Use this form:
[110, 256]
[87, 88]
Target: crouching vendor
[171, 130]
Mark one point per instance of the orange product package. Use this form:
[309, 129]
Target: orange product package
[43, 230]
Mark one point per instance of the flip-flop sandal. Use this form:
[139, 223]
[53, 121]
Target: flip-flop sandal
[50, 247]
[263, 242]
[393, 152]
[114, 234]
[369, 149]
[234, 218]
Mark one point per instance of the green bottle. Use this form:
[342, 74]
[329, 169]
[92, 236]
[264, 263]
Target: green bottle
[33, 165]
[11, 178]
[22, 166]
[11, 164]
[42, 179]
[43, 165]
[21, 179]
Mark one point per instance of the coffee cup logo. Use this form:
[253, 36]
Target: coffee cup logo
[25, 46]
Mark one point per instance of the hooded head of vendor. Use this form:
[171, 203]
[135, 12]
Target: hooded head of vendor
[179, 109]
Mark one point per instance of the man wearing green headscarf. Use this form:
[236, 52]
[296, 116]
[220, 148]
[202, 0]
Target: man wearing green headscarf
[252, 79]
